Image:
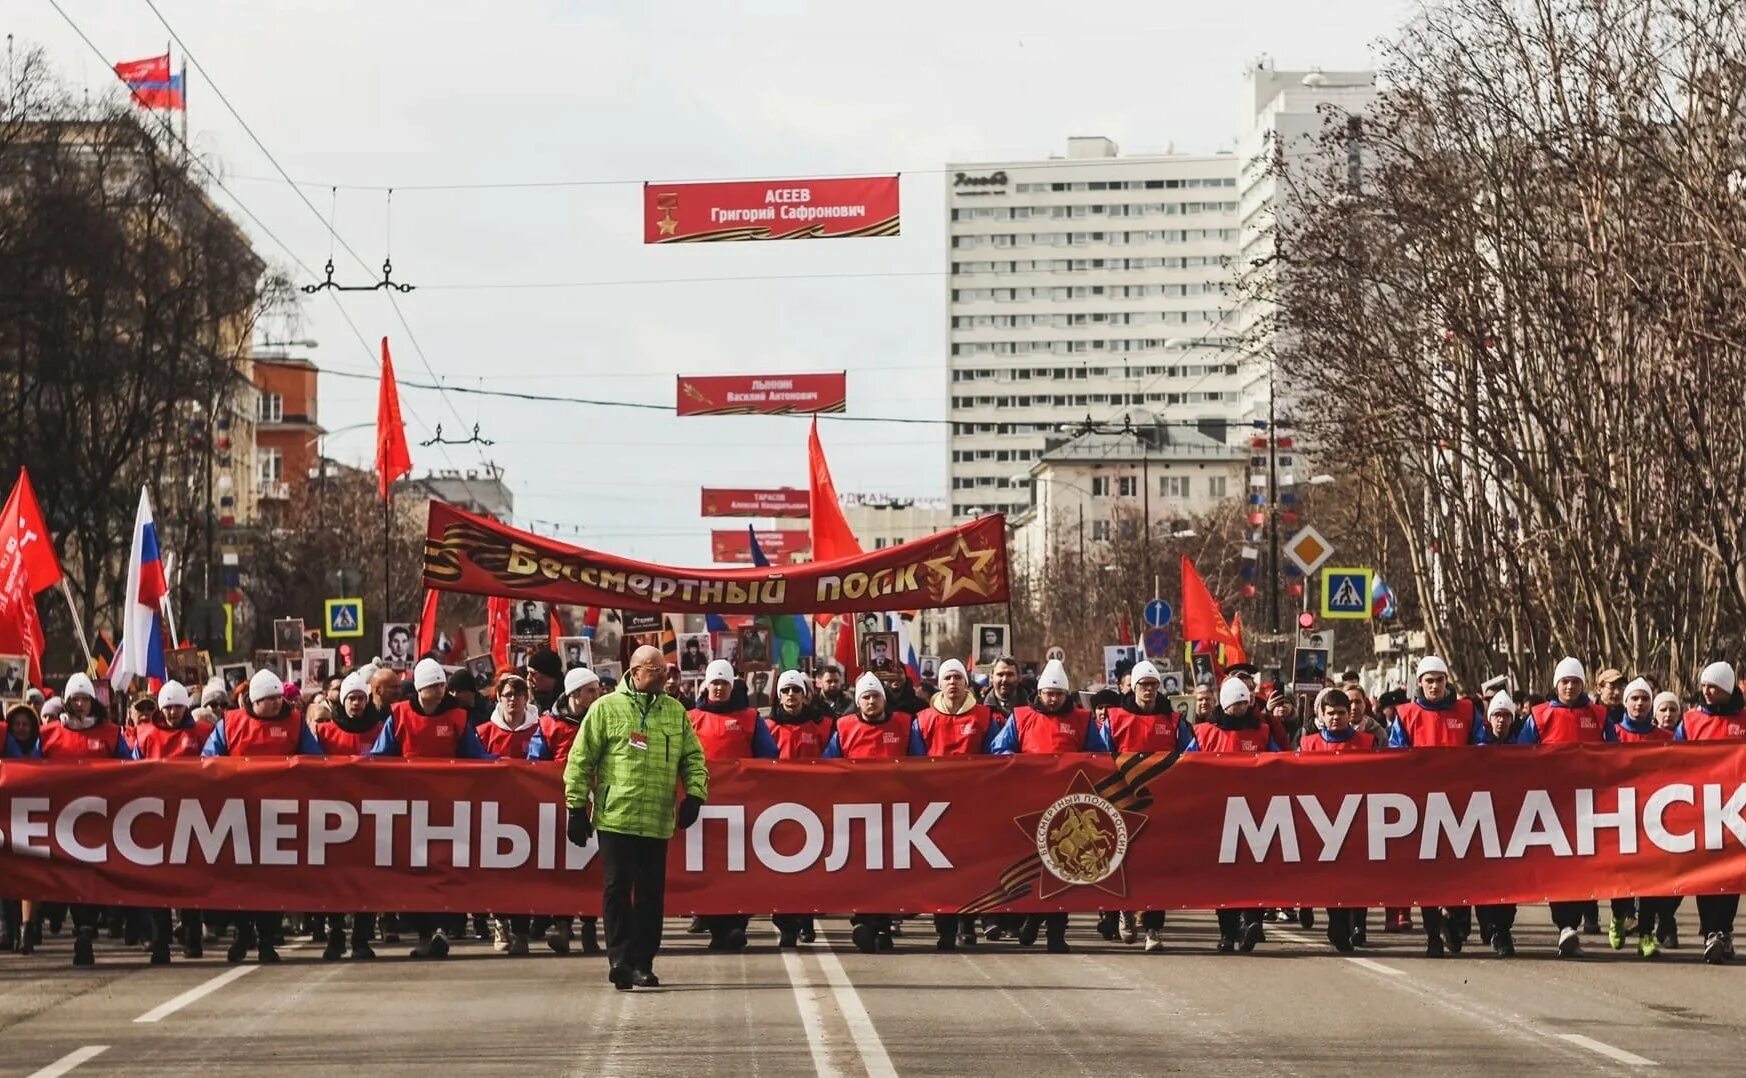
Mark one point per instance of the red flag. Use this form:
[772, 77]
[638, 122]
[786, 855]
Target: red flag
[497, 616]
[20, 633]
[832, 537]
[1234, 651]
[151, 69]
[1201, 620]
[393, 459]
[23, 529]
[1125, 635]
[427, 623]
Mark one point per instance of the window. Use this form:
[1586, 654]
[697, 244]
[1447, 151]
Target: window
[1100, 530]
[272, 463]
[1215, 486]
[272, 408]
[1127, 486]
[1100, 486]
[1173, 486]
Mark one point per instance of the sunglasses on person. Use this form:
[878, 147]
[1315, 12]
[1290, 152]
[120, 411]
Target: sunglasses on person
[790, 688]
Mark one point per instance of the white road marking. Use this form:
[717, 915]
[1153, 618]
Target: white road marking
[855, 1015]
[811, 1015]
[1357, 960]
[195, 994]
[70, 1060]
[1602, 1048]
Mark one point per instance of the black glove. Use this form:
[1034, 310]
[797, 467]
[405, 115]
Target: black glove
[688, 810]
[580, 828]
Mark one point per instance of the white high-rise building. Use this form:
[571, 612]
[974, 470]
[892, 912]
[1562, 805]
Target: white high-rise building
[1082, 286]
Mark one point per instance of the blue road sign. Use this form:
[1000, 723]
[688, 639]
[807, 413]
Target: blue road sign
[1156, 641]
[1158, 613]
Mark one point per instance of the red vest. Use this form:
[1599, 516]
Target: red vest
[248, 735]
[153, 742]
[955, 735]
[1442, 728]
[858, 740]
[97, 743]
[1216, 739]
[1129, 731]
[559, 735]
[436, 737]
[1360, 741]
[1570, 725]
[1655, 733]
[726, 735]
[1043, 734]
[509, 744]
[801, 740]
[1699, 725]
[336, 741]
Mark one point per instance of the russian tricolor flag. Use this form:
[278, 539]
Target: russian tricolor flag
[142, 625]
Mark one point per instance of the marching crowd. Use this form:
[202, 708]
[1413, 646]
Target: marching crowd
[538, 714]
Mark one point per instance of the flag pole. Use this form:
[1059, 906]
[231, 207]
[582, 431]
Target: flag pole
[387, 553]
[78, 624]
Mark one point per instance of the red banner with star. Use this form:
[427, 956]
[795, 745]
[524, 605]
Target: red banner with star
[961, 834]
[963, 566]
[770, 210]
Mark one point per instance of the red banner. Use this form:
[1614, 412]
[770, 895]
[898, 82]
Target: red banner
[1435, 826]
[963, 566]
[770, 210]
[733, 545]
[763, 394]
[785, 502]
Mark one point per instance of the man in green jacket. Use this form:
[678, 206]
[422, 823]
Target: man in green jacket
[636, 745]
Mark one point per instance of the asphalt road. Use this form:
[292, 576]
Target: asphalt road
[1293, 1007]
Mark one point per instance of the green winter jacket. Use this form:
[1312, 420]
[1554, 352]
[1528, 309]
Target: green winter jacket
[634, 788]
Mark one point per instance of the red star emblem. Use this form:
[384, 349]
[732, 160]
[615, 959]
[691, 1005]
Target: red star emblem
[1095, 823]
[961, 570]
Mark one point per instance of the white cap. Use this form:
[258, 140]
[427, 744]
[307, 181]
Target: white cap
[1431, 664]
[1666, 698]
[1639, 685]
[173, 694]
[1721, 675]
[1145, 671]
[1234, 691]
[1054, 676]
[719, 670]
[1501, 701]
[792, 679]
[53, 706]
[1328, 693]
[265, 685]
[354, 682]
[428, 672]
[869, 682]
[953, 666]
[368, 672]
[1569, 667]
[79, 683]
[579, 677]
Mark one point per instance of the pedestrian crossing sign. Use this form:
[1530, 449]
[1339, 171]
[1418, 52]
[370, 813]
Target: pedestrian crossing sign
[345, 618]
[1346, 594]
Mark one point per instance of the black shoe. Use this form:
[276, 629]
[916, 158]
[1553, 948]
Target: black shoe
[1591, 925]
[335, 949]
[194, 950]
[787, 938]
[967, 939]
[1504, 944]
[590, 937]
[267, 955]
[1251, 936]
[1360, 938]
[645, 978]
[1057, 945]
[620, 978]
[1226, 945]
[439, 946]
[735, 940]
[83, 952]
[994, 934]
[1109, 926]
[1343, 944]
[886, 943]
[1270, 915]
[362, 951]
[1452, 938]
[1434, 947]
[809, 934]
[697, 927]
[1485, 933]
[866, 940]
[1306, 917]
[946, 942]
[160, 954]
[318, 934]
[1027, 934]
[236, 952]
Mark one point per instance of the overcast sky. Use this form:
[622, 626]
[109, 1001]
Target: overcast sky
[396, 93]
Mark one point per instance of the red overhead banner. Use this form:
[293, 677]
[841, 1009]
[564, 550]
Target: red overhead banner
[763, 394]
[734, 546]
[785, 502]
[964, 566]
[1078, 832]
[770, 210]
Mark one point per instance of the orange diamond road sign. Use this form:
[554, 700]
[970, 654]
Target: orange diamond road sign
[1308, 549]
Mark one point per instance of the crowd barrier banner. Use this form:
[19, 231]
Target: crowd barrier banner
[962, 566]
[1449, 826]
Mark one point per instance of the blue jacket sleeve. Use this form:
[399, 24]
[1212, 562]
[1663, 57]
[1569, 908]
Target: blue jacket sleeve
[1530, 734]
[537, 749]
[1193, 743]
[1476, 727]
[917, 747]
[990, 737]
[309, 744]
[1005, 743]
[832, 750]
[763, 745]
[124, 751]
[1096, 737]
[469, 747]
[1679, 730]
[215, 744]
[386, 743]
[1397, 736]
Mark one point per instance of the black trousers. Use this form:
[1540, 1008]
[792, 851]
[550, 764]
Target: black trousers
[163, 926]
[1460, 918]
[1496, 919]
[1231, 922]
[633, 899]
[951, 925]
[1568, 914]
[363, 927]
[1716, 912]
[1340, 926]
